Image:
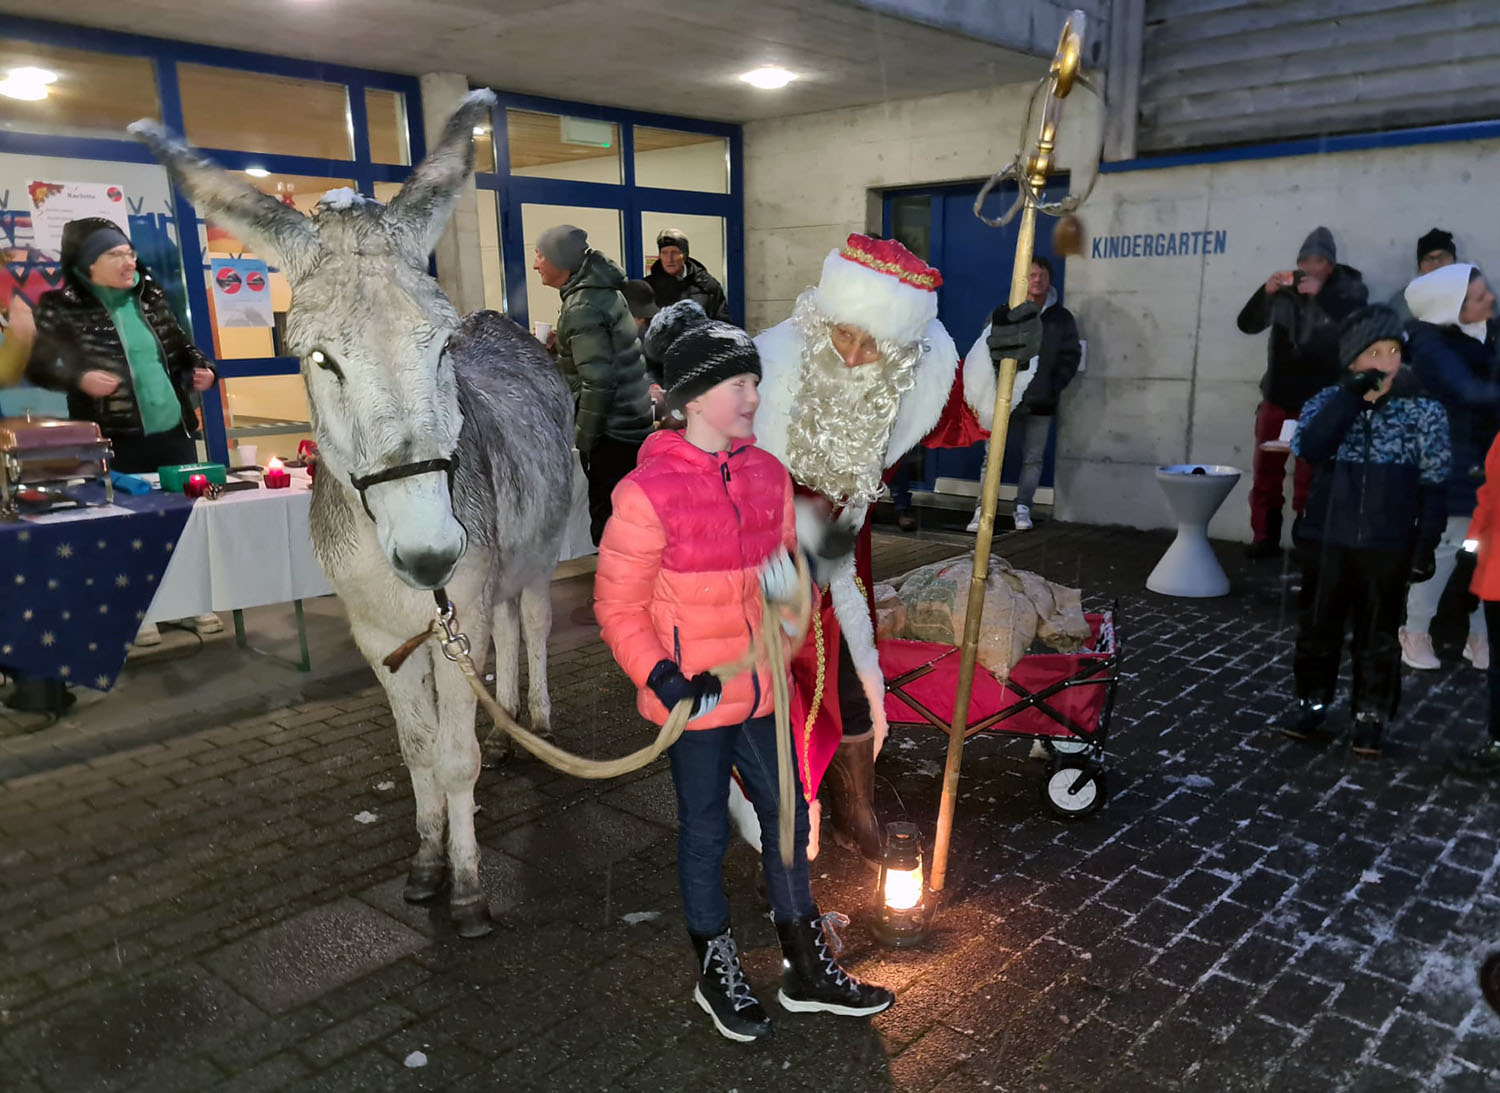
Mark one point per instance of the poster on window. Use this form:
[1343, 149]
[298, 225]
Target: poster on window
[53, 204]
[242, 292]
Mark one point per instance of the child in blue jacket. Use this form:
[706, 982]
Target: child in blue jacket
[1374, 516]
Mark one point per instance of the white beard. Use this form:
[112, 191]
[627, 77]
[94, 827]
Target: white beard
[841, 421]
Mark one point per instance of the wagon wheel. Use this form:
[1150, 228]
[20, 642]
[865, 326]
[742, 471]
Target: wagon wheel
[1064, 745]
[1073, 792]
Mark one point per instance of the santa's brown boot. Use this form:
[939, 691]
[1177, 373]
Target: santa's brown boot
[851, 786]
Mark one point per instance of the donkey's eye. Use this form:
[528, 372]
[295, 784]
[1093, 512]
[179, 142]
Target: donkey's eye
[326, 362]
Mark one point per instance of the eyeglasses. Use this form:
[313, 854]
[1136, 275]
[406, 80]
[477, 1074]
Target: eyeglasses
[120, 254]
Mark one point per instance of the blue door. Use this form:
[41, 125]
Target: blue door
[938, 224]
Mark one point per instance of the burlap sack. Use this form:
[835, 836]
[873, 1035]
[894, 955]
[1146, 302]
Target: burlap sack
[890, 612]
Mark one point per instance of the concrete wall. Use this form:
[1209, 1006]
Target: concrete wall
[1169, 376]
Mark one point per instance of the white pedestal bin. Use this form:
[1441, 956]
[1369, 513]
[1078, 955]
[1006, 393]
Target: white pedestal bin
[1189, 568]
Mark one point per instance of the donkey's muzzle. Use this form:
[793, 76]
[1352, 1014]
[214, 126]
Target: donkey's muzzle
[426, 569]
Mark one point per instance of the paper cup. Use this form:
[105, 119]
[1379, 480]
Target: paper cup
[543, 331]
[245, 454]
[1288, 430]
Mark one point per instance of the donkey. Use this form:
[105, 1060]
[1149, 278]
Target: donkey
[445, 462]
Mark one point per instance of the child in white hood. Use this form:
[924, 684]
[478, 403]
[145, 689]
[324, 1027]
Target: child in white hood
[1453, 353]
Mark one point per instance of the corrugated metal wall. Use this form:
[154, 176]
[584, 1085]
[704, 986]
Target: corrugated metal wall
[1221, 72]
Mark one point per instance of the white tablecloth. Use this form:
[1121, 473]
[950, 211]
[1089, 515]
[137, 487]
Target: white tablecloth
[251, 548]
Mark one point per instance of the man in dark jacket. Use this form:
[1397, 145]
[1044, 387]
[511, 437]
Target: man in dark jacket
[1302, 308]
[1374, 515]
[1056, 365]
[599, 354]
[109, 339]
[676, 275]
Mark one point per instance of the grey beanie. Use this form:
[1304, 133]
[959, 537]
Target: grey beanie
[97, 242]
[564, 246]
[1319, 242]
[1363, 328]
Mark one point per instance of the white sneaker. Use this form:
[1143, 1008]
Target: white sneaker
[1477, 651]
[974, 523]
[148, 635]
[1416, 651]
[1023, 517]
[208, 624]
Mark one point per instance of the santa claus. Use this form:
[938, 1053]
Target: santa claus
[860, 374]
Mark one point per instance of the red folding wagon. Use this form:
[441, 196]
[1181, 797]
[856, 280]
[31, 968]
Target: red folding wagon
[1064, 700]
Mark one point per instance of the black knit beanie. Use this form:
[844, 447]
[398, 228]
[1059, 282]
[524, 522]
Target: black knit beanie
[1363, 328]
[1319, 243]
[1436, 239]
[672, 237]
[697, 352]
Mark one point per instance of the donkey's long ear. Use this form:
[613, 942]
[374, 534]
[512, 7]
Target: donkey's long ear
[260, 220]
[421, 210]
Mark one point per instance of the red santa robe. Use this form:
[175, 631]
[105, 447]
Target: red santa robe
[945, 408]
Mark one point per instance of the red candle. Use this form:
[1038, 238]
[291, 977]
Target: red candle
[277, 477]
[196, 485]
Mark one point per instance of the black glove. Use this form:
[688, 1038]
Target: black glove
[1016, 333]
[670, 686]
[1362, 383]
[838, 540]
[1423, 564]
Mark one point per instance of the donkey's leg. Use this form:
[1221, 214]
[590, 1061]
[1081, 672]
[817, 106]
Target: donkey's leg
[457, 770]
[497, 745]
[536, 622]
[410, 694]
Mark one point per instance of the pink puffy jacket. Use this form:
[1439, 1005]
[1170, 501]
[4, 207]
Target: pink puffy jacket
[679, 566]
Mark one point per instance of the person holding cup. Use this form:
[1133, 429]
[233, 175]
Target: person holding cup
[599, 355]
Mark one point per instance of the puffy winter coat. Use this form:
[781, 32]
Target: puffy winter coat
[75, 334]
[1057, 363]
[1302, 352]
[1485, 527]
[599, 353]
[1380, 467]
[679, 567]
[696, 283]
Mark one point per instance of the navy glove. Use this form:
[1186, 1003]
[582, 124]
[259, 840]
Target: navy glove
[1362, 383]
[1423, 564]
[670, 686]
[1016, 333]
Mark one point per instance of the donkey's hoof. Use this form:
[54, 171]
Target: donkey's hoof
[542, 729]
[494, 753]
[472, 917]
[425, 883]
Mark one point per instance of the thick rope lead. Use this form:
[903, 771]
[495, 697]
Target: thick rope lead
[455, 647]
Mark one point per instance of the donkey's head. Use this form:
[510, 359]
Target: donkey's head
[370, 326]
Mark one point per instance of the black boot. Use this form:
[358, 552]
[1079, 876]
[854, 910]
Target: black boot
[812, 980]
[1304, 721]
[722, 992]
[1480, 762]
[851, 787]
[1367, 732]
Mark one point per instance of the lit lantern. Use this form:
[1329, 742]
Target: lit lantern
[903, 904]
[277, 477]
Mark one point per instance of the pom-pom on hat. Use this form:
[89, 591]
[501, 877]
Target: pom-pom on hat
[881, 287]
[697, 352]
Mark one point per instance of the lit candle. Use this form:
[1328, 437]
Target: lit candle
[277, 477]
[197, 485]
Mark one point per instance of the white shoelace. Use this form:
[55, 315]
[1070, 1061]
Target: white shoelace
[828, 938]
[731, 975]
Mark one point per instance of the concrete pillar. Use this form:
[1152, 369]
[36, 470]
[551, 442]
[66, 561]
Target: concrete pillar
[460, 268]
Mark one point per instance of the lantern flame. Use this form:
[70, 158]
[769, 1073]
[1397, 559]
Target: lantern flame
[903, 888]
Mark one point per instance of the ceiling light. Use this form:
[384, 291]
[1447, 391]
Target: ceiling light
[28, 74]
[27, 83]
[257, 172]
[481, 130]
[769, 77]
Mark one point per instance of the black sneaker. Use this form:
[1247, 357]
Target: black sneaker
[1480, 762]
[722, 992]
[1262, 549]
[1304, 721]
[1367, 733]
[812, 980]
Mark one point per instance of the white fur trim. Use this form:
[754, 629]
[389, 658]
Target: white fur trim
[980, 381]
[742, 812]
[780, 351]
[853, 613]
[880, 303]
[922, 406]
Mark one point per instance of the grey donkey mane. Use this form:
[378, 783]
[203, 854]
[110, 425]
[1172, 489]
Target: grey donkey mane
[511, 469]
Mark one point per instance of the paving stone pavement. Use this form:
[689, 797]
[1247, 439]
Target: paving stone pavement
[207, 913]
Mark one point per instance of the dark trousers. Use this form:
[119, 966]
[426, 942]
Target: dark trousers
[854, 704]
[1492, 623]
[1267, 492]
[1365, 591]
[701, 760]
[604, 466]
[147, 454]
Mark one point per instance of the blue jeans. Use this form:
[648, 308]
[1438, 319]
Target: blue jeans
[701, 760]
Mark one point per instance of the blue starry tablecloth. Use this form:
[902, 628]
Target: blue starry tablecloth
[73, 592]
